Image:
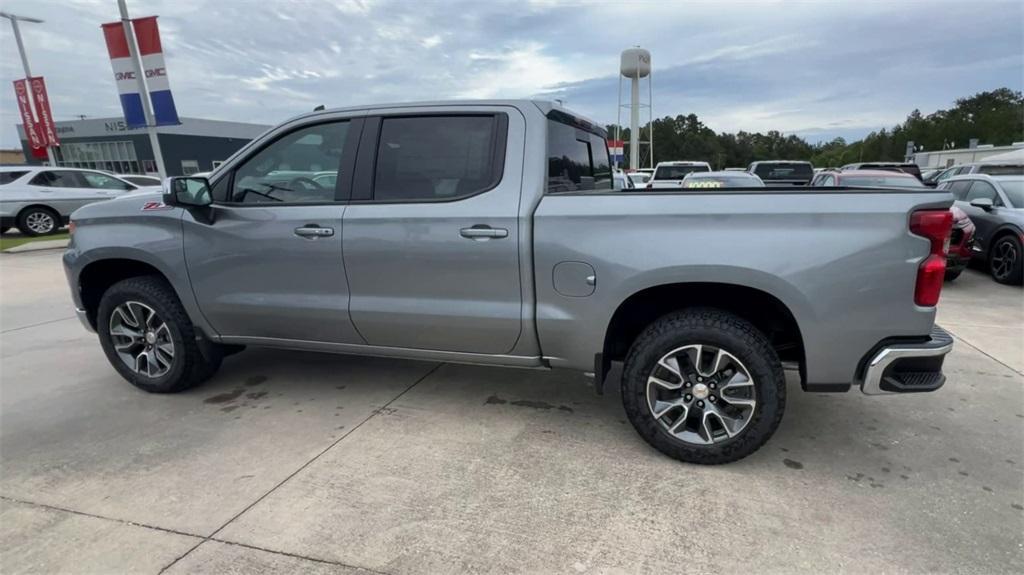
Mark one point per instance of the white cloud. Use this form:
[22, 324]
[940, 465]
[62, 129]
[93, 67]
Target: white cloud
[739, 65]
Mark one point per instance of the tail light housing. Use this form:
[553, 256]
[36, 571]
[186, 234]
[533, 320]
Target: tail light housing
[935, 226]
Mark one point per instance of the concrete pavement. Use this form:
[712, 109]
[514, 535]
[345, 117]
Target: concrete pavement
[290, 461]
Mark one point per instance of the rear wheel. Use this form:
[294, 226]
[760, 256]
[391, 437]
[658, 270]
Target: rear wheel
[953, 274]
[1005, 261]
[149, 339]
[704, 386]
[38, 221]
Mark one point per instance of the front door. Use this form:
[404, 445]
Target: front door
[431, 238]
[266, 262]
[985, 222]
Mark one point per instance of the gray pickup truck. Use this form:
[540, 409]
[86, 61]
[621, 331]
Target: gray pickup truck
[490, 233]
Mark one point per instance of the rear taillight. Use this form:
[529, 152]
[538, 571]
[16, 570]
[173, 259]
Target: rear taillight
[935, 226]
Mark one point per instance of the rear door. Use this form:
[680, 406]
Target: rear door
[65, 190]
[431, 237]
[266, 262]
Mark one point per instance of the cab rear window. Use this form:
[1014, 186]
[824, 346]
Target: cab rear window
[577, 159]
[8, 177]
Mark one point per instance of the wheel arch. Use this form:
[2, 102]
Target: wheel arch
[764, 310]
[51, 209]
[94, 271]
[1001, 232]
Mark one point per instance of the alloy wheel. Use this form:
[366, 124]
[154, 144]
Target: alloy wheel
[701, 394]
[1003, 259]
[40, 222]
[141, 339]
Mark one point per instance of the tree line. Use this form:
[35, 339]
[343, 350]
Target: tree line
[995, 117]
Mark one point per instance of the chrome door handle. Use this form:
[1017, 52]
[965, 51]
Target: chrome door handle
[314, 231]
[483, 232]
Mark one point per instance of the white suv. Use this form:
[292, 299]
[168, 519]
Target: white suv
[669, 175]
[39, 199]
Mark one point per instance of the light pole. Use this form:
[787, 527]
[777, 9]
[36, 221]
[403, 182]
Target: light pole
[24, 61]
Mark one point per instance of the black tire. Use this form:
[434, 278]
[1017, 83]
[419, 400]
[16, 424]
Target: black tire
[40, 213]
[190, 366]
[1006, 260]
[725, 331]
[952, 275]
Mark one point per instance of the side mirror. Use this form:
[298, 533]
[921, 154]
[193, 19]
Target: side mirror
[187, 192]
[983, 203]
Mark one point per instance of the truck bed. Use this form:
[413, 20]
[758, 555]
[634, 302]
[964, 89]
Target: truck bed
[842, 260]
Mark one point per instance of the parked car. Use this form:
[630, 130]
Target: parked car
[459, 243]
[996, 206]
[905, 167]
[867, 178]
[143, 181]
[990, 168]
[961, 238]
[669, 175]
[961, 244]
[639, 178]
[38, 199]
[622, 181]
[782, 172]
[724, 179]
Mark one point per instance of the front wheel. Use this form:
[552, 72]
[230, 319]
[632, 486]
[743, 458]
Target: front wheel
[1005, 261]
[149, 339]
[704, 386]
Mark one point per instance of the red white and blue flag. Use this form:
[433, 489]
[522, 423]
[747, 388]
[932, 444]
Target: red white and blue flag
[147, 36]
[615, 150]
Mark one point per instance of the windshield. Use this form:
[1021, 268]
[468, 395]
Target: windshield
[1014, 190]
[677, 172]
[794, 171]
[882, 181]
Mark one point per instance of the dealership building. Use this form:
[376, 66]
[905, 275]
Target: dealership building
[195, 145]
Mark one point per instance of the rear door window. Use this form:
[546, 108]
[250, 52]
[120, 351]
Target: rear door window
[8, 177]
[577, 160]
[437, 157]
[58, 179]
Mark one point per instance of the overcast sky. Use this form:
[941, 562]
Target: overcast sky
[817, 69]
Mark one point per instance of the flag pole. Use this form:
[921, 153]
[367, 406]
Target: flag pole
[28, 71]
[147, 106]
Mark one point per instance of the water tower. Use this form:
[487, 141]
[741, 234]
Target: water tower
[635, 64]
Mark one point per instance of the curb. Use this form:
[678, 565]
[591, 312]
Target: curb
[39, 246]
